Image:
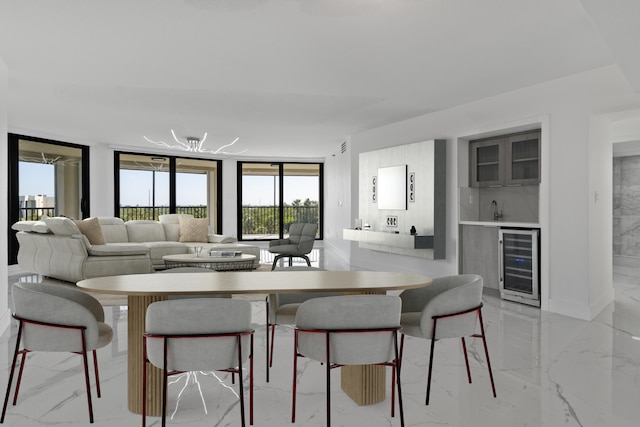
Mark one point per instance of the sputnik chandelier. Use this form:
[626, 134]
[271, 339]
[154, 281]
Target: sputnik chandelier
[194, 145]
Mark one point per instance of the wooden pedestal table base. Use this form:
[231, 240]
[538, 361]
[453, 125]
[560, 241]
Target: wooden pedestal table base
[364, 384]
[136, 328]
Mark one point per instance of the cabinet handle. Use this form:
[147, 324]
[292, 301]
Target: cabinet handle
[495, 186]
[514, 185]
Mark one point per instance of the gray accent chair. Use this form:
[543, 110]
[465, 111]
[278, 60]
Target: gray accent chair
[282, 309]
[349, 330]
[451, 307]
[299, 244]
[201, 334]
[57, 318]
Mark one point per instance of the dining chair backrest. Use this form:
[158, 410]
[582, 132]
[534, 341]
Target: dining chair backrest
[349, 319]
[199, 316]
[445, 296]
[56, 304]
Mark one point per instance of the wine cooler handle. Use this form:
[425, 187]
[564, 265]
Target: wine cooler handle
[500, 255]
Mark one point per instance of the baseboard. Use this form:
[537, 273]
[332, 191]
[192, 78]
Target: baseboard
[570, 308]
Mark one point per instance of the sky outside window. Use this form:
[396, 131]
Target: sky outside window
[136, 187]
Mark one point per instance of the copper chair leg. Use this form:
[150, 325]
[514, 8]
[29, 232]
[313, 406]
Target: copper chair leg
[164, 383]
[433, 341]
[466, 358]
[13, 368]
[251, 383]
[95, 367]
[267, 323]
[23, 360]
[240, 385]
[486, 352]
[396, 369]
[295, 373]
[144, 381]
[85, 363]
[328, 359]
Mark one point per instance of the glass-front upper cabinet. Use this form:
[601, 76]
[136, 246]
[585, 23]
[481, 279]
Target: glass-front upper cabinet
[486, 163]
[506, 160]
[523, 159]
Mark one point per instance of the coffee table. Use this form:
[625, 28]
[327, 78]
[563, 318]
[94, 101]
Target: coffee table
[239, 262]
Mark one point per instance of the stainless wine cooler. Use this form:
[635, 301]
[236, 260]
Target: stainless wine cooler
[519, 266]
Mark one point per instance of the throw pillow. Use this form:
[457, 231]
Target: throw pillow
[194, 229]
[90, 227]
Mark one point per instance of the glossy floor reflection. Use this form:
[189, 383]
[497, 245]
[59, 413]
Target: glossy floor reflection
[550, 370]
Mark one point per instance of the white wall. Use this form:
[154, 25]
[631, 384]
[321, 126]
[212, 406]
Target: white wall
[229, 197]
[339, 212]
[5, 315]
[576, 239]
[600, 213]
[101, 176]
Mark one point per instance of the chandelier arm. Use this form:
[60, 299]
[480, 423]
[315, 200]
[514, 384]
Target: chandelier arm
[163, 144]
[219, 150]
[195, 145]
[181, 144]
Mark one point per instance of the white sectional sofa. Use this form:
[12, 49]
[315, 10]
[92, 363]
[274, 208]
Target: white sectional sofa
[106, 246]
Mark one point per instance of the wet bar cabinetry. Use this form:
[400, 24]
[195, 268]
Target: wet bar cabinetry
[479, 245]
[507, 160]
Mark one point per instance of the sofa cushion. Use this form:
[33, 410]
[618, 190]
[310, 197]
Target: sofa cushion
[23, 226]
[194, 230]
[113, 229]
[171, 224]
[158, 249]
[40, 227]
[62, 226]
[90, 227]
[221, 238]
[145, 231]
[118, 249]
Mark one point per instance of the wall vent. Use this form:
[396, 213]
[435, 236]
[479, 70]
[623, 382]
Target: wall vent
[343, 147]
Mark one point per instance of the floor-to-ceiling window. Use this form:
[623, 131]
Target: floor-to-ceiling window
[148, 186]
[273, 195]
[46, 178]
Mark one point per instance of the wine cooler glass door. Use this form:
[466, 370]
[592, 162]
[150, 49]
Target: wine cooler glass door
[519, 266]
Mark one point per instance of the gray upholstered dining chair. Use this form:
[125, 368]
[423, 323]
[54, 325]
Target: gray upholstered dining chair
[451, 307]
[298, 244]
[282, 308]
[202, 334]
[349, 330]
[57, 318]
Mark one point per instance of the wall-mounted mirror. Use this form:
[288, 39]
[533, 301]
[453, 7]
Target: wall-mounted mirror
[392, 187]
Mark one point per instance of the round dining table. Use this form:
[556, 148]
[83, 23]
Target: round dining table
[364, 384]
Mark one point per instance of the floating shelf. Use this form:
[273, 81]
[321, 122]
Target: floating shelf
[384, 238]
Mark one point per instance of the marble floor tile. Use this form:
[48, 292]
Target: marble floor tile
[549, 370]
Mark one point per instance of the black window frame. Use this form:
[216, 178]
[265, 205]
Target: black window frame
[13, 195]
[172, 182]
[281, 175]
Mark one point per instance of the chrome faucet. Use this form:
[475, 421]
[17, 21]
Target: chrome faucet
[494, 207]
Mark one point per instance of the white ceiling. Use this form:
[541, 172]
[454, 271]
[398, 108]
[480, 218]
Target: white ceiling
[290, 78]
